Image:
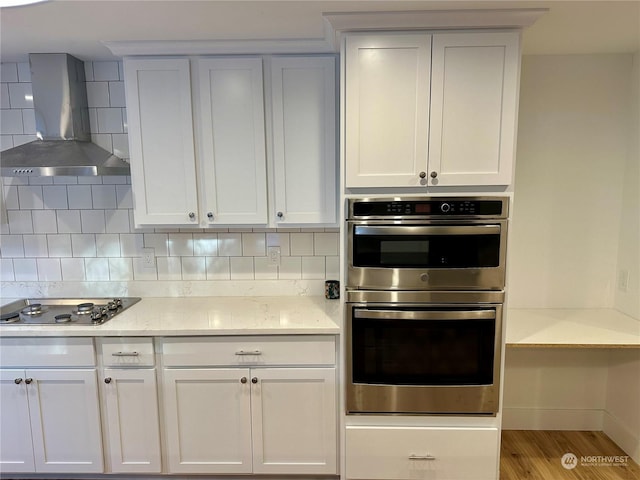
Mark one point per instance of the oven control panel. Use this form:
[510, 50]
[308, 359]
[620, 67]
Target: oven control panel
[428, 207]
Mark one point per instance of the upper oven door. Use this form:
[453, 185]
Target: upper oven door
[426, 256]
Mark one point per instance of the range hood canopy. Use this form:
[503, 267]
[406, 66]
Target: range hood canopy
[62, 125]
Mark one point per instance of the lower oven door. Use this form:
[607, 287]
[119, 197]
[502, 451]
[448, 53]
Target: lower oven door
[435, 359]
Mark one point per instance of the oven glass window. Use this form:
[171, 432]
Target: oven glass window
[422, 352]
[435, 251]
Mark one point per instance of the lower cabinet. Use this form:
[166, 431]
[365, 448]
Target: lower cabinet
[422, 452]
[235, 414]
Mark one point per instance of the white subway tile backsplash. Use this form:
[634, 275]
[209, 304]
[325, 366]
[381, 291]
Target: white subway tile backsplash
[241, 268]
[79, 196]
[93, 119]
[117, 221]
[229, 244]
[11, 121]
[83, 245]
[59, 245]
[10, 197]
[73, 269]
[116, 94]
[9, 72]
[301, 244]
[97, 94]
[35, 246]
[108, 245]
[25, 269]
[4, 99]
[49, 269]
[253, 244]
[55, 196]
[279, 240]
[180, 244]
[131, 244]
[313, 267]
[22, 139]
[92, 221]
[218, 268]
[120, 70]
[159, 242]
[68, 221]
[44, 221]
[12, 246]
[169, 268]
[105, 71]
[24, 72]
[325, 244]
[20, 221]
[90, 180]
[120, 145]
[97, 269]
[140, 272]
[65, 180]
[103, 140]
[40, 180]
[115, 179]
[205, 244]
[20, 95]
[120, 269]
[290, 268]
[124, 198]
[6, 270]
[6, 142]
[29, 122]
[104, 196]
[88, 71]
[110, 120]
[30, 197]
[264, 271]
[125, 124]
[193, 268]
[332, 268]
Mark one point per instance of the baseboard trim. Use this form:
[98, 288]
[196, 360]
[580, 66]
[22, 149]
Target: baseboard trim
[552, 419]
[627, 440]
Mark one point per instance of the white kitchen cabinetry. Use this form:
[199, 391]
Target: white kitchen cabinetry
[430, 109]
[208, 167]
[228, 410]
[51, 418]
[130, 406]
[387, 453]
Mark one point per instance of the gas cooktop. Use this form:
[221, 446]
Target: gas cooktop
[63, 311]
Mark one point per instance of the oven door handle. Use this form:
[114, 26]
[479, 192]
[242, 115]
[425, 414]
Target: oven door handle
[427, 230]
[424, 314]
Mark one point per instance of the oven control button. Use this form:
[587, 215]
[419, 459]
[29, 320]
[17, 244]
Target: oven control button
[445, 207]
[424, 277]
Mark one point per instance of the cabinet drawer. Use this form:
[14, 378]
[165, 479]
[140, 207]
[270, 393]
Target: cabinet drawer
[47, 352]
[125, 352]
[250, 350]
[414, 452]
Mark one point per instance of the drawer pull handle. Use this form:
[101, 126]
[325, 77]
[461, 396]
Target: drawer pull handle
[421, 457]
[125, 354]
[252, 352]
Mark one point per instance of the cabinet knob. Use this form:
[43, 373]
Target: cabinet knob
[210, 215]
[192, 215]
[254, 380]
[17, 381]
[243, 380]
[28, 380]
[423, 174]
[107, 380]
[434, 174]
[280, 214]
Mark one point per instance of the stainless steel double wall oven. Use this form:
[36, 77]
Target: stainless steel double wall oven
[424, 293]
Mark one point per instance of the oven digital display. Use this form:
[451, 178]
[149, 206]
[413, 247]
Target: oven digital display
[423, 208]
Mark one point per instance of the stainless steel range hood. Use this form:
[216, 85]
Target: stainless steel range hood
[62, 126]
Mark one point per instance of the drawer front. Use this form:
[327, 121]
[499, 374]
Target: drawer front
[413, 452]
[47, 352]
[248, 351]
[127, 352]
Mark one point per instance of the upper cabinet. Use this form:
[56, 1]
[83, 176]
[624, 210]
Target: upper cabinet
[430, 109]
[232, 140]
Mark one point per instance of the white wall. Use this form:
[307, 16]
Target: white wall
[571, 160]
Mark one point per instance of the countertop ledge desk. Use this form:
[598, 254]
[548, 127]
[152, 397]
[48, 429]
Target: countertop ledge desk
[571, 328]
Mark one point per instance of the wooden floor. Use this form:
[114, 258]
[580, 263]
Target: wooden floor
[537, 455]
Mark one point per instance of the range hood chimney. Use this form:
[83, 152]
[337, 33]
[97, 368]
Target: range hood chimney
[62, 126]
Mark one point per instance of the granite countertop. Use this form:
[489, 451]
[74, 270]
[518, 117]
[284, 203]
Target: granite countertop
[178, 316]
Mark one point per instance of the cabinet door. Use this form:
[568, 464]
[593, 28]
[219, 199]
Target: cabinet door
[386, 109]
[132, 422]
[163, 175]
[16, 452]
[65, 420]
[474, 94]
[207, 419]
[232, 140]
[304, 151]
[294, 421]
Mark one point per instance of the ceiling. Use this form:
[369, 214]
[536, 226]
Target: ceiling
[80, 26]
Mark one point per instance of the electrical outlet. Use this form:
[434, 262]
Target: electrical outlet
[148, 257]
[623, 280]
[273, 256]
